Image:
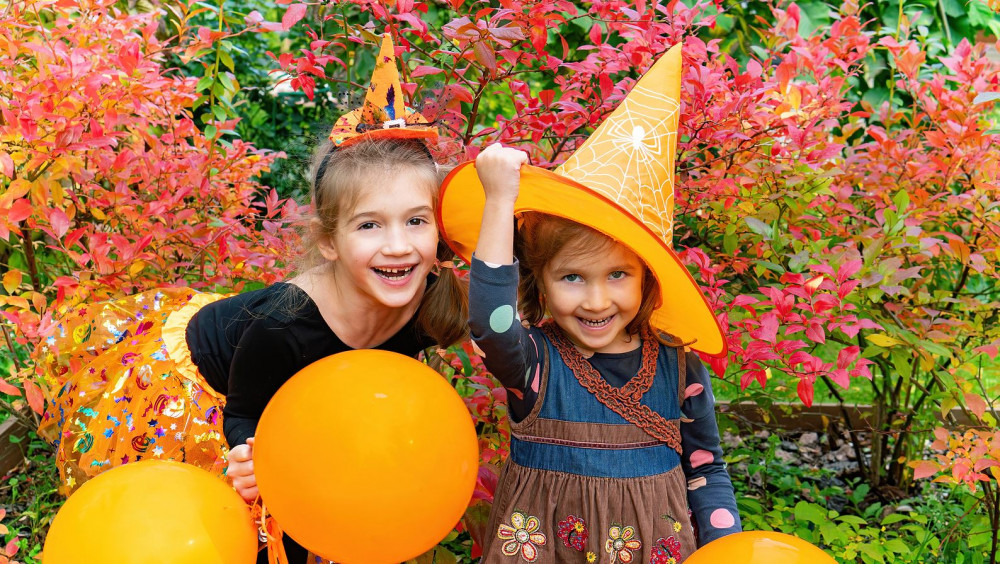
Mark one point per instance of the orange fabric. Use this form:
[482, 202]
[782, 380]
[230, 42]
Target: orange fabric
[175, 339]
[120, 396]
[621, 183]
[384, 113]
[123, 387]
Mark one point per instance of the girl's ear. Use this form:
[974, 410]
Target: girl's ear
[324, 242]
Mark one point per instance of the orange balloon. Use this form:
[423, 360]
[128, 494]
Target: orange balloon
[152, 512]
[366, 456]
[759, 547]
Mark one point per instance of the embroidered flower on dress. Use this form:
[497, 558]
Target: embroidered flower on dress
[522, 536]
[621, 543]
[591, 557]
[573, 532]
[666, 551]
[676, 524]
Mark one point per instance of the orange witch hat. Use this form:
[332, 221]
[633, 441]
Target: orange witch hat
[619, 182]
[384, 112]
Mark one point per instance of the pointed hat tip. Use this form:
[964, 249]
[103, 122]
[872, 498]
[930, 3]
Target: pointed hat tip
[387, 45]
[666, 73]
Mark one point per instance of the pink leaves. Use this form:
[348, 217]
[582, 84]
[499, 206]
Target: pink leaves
[848, 269]
[59, 222]
[991, 349]
[815, 332]
[10, 550]
[126, 195]
[925, 468]
[768, 328]
[975, 403]
[6, 164]
[253, 19]
[847, 356]
[750, 376]
[293, 14]
[805, 391]
[812, 306]
[425, 70]
[908, 55]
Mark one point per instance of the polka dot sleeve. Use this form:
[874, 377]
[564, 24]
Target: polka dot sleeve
[509, 352]
[710, 491]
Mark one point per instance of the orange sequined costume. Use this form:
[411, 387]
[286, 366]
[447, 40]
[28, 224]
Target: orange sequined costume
[125, 387]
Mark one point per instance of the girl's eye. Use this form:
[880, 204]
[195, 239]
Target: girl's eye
[617, 275]
[367, 225]
[417, 221]
[572, 278]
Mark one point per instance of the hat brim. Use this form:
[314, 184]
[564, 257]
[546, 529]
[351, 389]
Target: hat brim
[683, 312]
[409, 132]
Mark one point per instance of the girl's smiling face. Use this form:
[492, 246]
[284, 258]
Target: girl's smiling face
[593, 296]
[384, 247]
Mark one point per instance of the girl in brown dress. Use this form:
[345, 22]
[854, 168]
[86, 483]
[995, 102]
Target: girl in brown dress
[615, 451]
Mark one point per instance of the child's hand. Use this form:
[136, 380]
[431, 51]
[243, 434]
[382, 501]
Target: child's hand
[241, 471]
[499, 170]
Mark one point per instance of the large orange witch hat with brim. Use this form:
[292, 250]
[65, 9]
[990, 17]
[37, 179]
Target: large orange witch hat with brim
[619, 182]
[384, 113]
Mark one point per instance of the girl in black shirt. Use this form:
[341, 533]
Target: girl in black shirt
[182, 375]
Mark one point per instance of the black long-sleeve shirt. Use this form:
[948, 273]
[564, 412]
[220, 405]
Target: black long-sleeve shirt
[248, 345]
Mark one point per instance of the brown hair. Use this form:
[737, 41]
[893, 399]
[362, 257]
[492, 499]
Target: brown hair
[340, 175]
[540, 237]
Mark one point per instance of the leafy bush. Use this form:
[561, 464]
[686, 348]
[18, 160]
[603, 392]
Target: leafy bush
[938, 524]
[109, 187]
[837, 184]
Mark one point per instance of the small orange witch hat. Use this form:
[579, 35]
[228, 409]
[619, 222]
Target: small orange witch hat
[619, 182]
[384, 112]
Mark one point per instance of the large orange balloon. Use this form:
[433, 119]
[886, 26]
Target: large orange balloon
[152, 512]
[759, 547]
[366, 456]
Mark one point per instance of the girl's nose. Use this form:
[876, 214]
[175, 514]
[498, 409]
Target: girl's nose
[396, 243]
[597, 298]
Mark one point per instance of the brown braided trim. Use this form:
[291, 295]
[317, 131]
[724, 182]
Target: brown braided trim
[625, 400]
[584, 444]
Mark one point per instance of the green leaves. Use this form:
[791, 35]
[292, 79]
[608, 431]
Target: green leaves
[812, 513]
[759, 227]
[984, 97]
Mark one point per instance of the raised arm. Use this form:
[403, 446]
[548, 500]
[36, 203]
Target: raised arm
[499, 169]
[509, 351]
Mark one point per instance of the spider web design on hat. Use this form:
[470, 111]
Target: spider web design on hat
[631, 161]
[621, 183]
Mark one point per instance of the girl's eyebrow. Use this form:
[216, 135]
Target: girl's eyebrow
[560, 272]
[374, 214]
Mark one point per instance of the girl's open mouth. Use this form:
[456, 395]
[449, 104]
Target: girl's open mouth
[596, 323]
[393, 273]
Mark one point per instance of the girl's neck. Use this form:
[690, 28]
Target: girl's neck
[359, 321]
